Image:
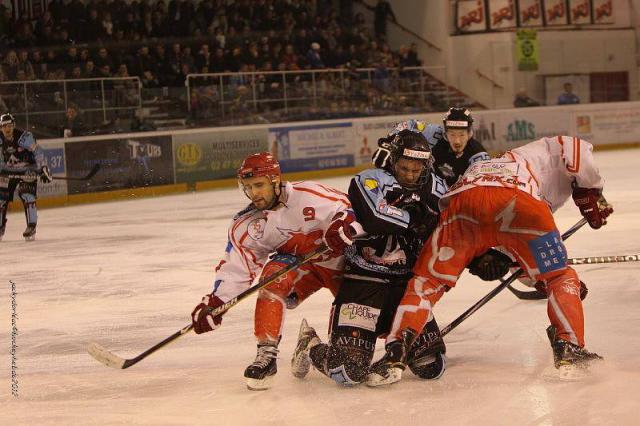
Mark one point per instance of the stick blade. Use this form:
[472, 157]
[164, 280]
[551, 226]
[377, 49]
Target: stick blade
[93, 171]
[105, 357]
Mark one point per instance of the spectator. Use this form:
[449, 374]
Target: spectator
[72, 125]
[522, 99]
[313, 56]
[382, 12]
[10, 65]
[25, 64]
[568, 97]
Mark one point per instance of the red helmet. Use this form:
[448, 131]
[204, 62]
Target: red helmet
[260, 164]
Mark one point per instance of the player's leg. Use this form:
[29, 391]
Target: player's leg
[534, 240]
[27, 193]
[7, 187]
[426, 356]
[354, 319]
[269, 317]
[313, 278]
[459, 237]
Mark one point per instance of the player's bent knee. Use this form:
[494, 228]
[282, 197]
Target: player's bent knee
[429, 367]
[347, 366]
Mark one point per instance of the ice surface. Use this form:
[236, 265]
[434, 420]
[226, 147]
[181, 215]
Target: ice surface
[127, 274]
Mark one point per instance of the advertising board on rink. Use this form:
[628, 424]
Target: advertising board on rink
[608, 125]
[54, 159]
[313, 147]
[130, 162]
[215, 154]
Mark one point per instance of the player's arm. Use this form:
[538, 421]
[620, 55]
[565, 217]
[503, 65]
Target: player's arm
[234, 274]
[477, 151]
[27, 141]
[367, 192]
[577, 156]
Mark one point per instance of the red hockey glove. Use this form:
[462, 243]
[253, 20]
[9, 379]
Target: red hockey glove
[592, 205]
[341, 233]
[201, 317]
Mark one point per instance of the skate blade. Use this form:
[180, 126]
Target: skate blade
[31, 238]
[259, 384]
[300, 366]
[566, 373]
[375, 379]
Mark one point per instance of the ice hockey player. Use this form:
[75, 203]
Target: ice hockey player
[452, 144]
[507, 202]
[394, 210]
[283, 220]
[22, 157]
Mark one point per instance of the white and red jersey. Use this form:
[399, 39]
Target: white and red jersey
[295, 226]
[545, 168]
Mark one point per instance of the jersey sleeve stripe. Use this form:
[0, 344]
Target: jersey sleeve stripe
[335, 199]
[575, 167]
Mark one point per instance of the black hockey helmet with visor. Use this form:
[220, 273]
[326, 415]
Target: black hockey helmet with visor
[458, 118]
[6, 119]
[413, 146]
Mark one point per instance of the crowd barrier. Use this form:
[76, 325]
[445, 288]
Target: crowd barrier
[153, 163]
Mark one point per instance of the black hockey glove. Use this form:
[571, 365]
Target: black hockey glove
[45, 175]
[382, 156]
[422, 219]
[490, 266]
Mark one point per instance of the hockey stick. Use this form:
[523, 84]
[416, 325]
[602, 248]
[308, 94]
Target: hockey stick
[89, 175]
[592, 260]
[466, 314]
[112, 360]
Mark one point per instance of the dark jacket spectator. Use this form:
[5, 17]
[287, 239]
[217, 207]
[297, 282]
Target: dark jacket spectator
[522, 100]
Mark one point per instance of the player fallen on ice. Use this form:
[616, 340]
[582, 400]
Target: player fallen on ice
[507, 202]
[23, 160]
[283, 221]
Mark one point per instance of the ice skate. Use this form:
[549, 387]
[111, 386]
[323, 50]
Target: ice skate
[29, 234]
[301, 362]
[1, 232]
[389, 368]
[262, 370]
[571, 362]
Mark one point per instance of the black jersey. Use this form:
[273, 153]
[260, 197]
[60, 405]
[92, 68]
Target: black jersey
[19, 153]
[449, 166]
[394, 238]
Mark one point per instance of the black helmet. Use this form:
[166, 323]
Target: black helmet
[457, 118]
[6, 119]
[414, 146]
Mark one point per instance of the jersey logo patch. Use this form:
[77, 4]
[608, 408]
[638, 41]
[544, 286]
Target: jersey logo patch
[371, 184]
[256, 228]
[549, 252]
[360, 316]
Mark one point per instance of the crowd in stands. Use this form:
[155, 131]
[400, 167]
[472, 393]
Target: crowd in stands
[162, 42]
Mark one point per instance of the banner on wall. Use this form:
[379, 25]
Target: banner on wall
[54, 159]
[580, 12]
[125, 163]
[502, 130]
[527, 50]
[313, 147]
[555, 12]
[216, 154]
[531, 13]
[470, 16]
[607, 126]
[603, 12]
[502, 14]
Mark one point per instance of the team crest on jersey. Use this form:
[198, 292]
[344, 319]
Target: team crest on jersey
[256, 228]
[371, 184]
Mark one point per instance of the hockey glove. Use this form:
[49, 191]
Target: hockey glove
[592, 205]
[490, 266]
[342, 231]
[382, 155]
[201, 317]
[45, 175]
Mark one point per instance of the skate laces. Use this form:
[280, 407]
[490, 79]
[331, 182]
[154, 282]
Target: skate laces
[265, 355]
